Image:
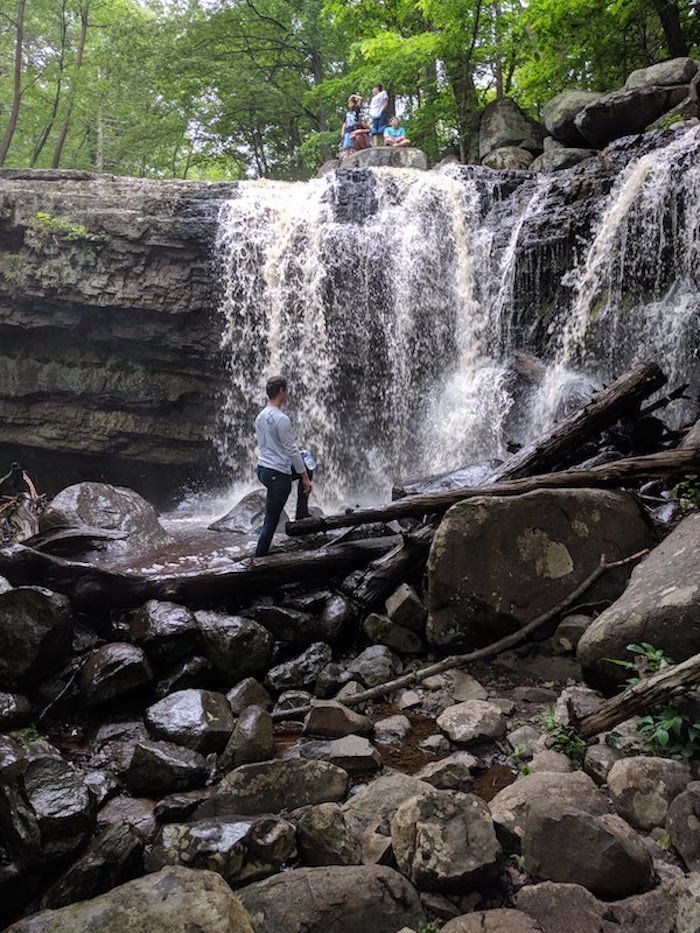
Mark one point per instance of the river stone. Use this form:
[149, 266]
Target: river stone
[332, 719]
[301, 671]
[503, 123]
[598, 761]
[276, 786]
[393, 730]
[465, 687]
[623, 113]
[642, 788]
[549, 760]
[660, 606]
[19, 827]
[564, 844]
[559, 159]
[113, 508]
[112, 858]
[198, 719]
[547, 542]
[288, 625]
[445, 841]
[324, 837]
[293, 699]
[525, 738]
[451, 773]
[174, 900]
[236, 647]
[13, 761]
[472, 720]
[405, 608]
[333, 899]
[248, 692]
[576, 702]
[511, 806]
[375, 665]
[247, 515]
[195, 671]
[136, 811]
[251, 740]
[386, 157]
[683, 825]
[113, 671]
[675, 71]
[35, 634]
[508, 159]
[500, 920]
[330, 680]
[352, 753]
[569, 632]
[161, 768]
[166, 631]
[338, 618]
[240, 851]
[559, 113]
[374, 807]
[64, 807]
[15, 710]
[380, 630]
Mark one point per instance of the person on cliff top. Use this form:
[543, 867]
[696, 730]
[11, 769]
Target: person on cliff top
[280, 462]
[395, 135]
[354, 132]
[378, 109]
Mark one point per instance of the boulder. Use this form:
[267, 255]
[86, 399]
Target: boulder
[503, 123]
[198, 719]
[524, 738]
[35, 634]
[247, 515]
[559, 113]
[248, 692]
[472, 720]
[236, 647]
[642, 788]
[547, 542]
[19, 826]
[373, 808]
[557, 159]
[195, 671]
[165, 631]
[112, 508]
[251, 740]
[599, 759]
[352, 753]
[162, 768]
[549, 760]
[375, 665]
[334, 899]
[113, 671]
[465, 687]
[331, 679]
[380, 630]
[451, 773]
[405, 608]
[508, 159]
[292, 626]
[301, 671]
[333, 720]
[683, 825]
[63, 806]
[564, 844]
[623, 113]
[276, 786]
[15, 710]
[445, 841]
[386, 157]
[575, 702]
[135, 811]
[324, 837]
[240, 851]
[174, 900]
[675, 71]
[660, 606]
[501, 920]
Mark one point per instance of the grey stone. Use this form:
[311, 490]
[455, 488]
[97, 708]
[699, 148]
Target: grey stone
[135, 811]
[179, 807]
[451, 773]
[386, 157]
[331, 679]
[196, 671]
[248, 692]
[333, 899]
[642, 788]
[375, 665]
[623, 113]
[251, 740]
[19, 826]
[247, 515]
[504, 124]
[472, 720]
[549, 760]
[352, 753]
[405, 608]
[434, 745]
[675, 71]
[292, 699]
[35, 634]
[113, 671]
[569, 632]
[174, 900]
[409, 699]
[198, 719]
[508, 159]
[576, 702]
[534, 695]
[559, 113]
[237, 647]
[291, 626]
[393, 730]
[683, 825]
[15, 710]
[63, 805]
[499, 920]
[374, 807]
[525, 738]
[160, 768]
[5, 585]
[102, 785]
[330, 718]
[324, 837]
[301, 671]
[465, 687]
[598, 761]
[166, 631]
[381, 630]
[559, 159]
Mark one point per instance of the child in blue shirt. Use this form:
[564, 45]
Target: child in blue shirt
[395, 135]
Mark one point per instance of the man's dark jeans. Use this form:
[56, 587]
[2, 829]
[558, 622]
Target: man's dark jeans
[278, 486]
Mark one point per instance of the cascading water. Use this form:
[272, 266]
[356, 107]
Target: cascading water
[425, 318]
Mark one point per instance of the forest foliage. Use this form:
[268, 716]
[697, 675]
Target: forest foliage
[243, 88]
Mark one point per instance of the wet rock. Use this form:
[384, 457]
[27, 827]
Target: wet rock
[112, 858]
[324, 837]
[405, 608]
[623, 113]
[445, 841]
[15, 710]
[161, 768]
[608, 857]
[500, 920]
[673, 72]
[5, 585]
[642, 788]
[196, 671]
[19, 827]
[112, 671]
[386, 156]
[113, 508]
[247, 515]
[301, 671]
[465, 687]
[451, 773]
[503, 123]
[659, 606]
[198, 719]
[559, 159]
[525, 738]
[35, 634]
[63, 805]
[508, 159]
[248, 692]
[576, 702]
[276, 786]
[333, 899]
[293, 699]
[332, 719]
[472, 720]
[381, 630]
[598, 761]
[559, 114]
[393, 730]
[237, 647]
[549, 760]
[352, 753]
[166, 632]
[137, 812]
[13, 761]
[549, 541]
[570, 631]
[288, 625]
[240, 851]
[374, 807]
[174, 900]
[331, 679]
[251, 740]
[683, 825]
[102, 785]
[114, 744]
[375, 665]
[338, 619]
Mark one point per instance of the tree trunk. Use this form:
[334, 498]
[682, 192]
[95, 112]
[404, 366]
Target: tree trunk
[668, 13]
[63, 132]
[46, 132]
[17, 86]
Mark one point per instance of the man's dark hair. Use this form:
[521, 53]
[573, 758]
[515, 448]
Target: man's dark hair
[274, 386]
[378, 85]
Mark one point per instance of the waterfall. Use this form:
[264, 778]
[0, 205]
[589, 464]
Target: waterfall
[425, 319]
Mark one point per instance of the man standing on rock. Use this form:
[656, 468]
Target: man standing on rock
[279, 462]
[378, 107]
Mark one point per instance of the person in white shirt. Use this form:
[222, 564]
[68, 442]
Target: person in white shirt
[378, 109]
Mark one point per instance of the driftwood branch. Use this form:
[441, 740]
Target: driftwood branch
[648, 693]
[490, 651]
[630, 469]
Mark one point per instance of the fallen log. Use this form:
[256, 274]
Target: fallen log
[89, 586]
[668, 463]
[656, 690]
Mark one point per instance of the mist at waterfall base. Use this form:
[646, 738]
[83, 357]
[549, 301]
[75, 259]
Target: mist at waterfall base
[425, 319]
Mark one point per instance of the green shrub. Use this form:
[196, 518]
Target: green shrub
[45, 233]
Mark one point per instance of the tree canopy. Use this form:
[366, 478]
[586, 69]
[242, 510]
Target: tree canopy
[246, 88]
